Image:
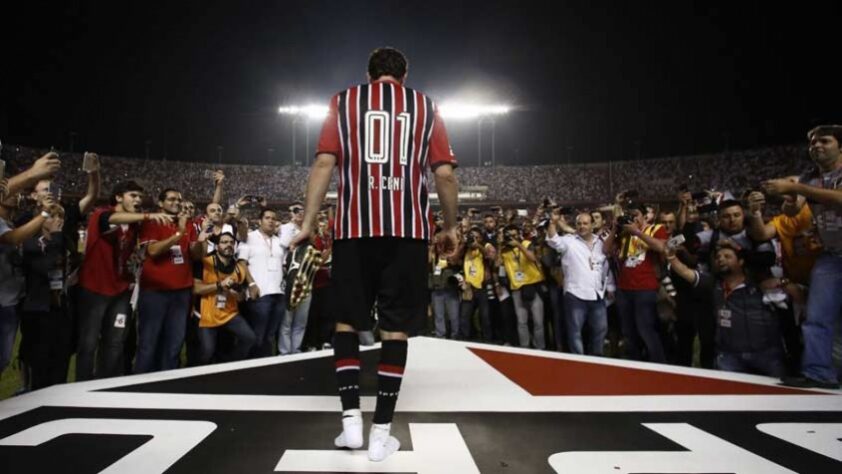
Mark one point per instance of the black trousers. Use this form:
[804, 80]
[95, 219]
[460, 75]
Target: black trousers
[49, 344]
[695, 317]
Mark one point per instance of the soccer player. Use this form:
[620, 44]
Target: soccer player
[381, 136]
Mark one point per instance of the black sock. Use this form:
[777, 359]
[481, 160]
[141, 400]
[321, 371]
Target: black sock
[346, 355]
[389, 376]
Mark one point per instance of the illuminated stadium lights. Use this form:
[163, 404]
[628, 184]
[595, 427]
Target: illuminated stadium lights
[309, 113]
[314, 112]
[463, 111]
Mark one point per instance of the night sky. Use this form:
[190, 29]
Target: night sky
[590, 81]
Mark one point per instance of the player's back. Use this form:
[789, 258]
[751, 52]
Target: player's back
[384, 136]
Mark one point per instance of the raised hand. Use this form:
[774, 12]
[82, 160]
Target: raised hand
[46, 166]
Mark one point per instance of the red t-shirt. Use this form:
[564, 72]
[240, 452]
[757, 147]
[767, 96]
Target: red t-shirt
[105, 269]
[637, 262]
[172, 270]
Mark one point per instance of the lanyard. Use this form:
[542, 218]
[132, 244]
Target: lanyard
[268, 242]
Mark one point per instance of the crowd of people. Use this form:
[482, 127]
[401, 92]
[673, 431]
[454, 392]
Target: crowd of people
[115, 260]
[579, 183]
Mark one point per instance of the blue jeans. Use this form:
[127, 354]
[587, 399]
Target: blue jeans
[824, 312]
[595, 313]
[466, 325]
[9, 320]
[766, 362]
[236, 326]
[160, 329]
[445, 301]
[559, 312]
[293, 327]
[639, 319]
[536, 308]
[99, 325]
[264, 316]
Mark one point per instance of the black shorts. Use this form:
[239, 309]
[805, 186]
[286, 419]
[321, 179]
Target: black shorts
[388, 270]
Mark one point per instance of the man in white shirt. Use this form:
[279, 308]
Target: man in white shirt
[294, 322]
[264, 255]
[587, 282]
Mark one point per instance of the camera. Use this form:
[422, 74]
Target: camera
[456, 279]
[237, 287]
[625, 219]
[510, 236]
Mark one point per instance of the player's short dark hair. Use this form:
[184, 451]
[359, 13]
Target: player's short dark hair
[124, 187]
[162, 196]
[823, 130]
[387, 62]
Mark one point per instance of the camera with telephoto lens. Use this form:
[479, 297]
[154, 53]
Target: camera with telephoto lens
[510, 236]
[237, 287]
[456, 279]
[625, 219]
[470, 239]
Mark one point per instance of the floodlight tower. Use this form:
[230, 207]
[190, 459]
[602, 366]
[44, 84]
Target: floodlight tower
[480, 113]
[307, 113]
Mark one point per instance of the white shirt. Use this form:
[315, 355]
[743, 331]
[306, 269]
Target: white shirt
[288, 232]
[265, 257]
[585, 268]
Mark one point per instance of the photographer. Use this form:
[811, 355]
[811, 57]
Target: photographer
[445, 291]
[761, 255]
[525, 276]
[748, 337]
[639, 253]
[222, 285]
[692, 309]
[478, 264]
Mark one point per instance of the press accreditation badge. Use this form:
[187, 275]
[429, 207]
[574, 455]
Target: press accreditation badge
[176, 255]
[519, 276]
[120, 321]
[725, 318]
[56, 278]
[221, 300]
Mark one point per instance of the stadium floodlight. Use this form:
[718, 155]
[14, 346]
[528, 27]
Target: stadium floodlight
[313, 112]
[479, 112]
[465, 111]
[310, 113]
